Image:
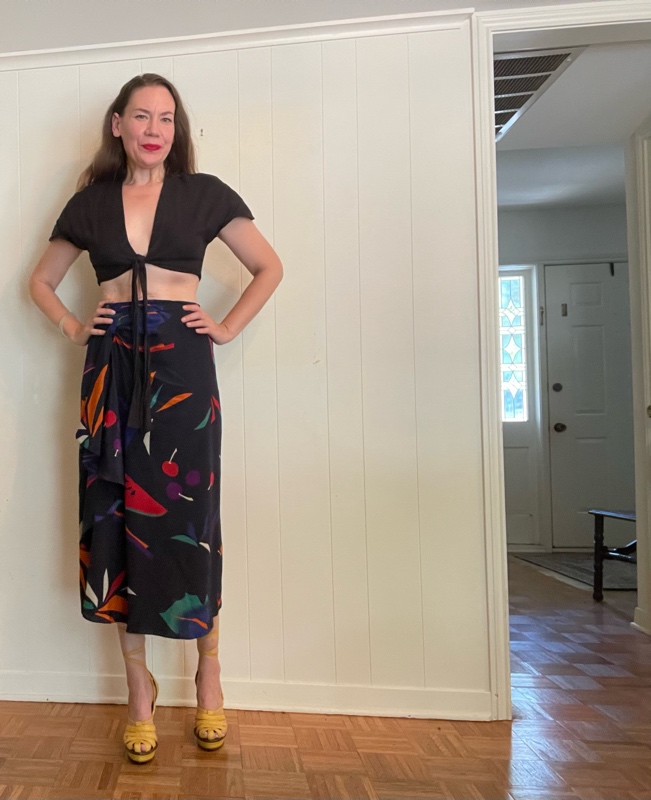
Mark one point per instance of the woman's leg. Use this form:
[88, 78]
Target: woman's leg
[210, 726]
[138, 680]
[209, 690]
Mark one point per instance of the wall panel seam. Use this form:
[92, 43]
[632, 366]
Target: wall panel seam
[327, 373]
[273, 229]
[413, 341]
[361, 372]
[243, 361]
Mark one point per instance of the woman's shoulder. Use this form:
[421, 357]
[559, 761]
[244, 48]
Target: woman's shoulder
[200, 180]
[92, 190]
[81, 198]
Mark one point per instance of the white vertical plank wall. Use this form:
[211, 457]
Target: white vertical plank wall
[354, 564]
[345, 407]
[447, 396]
[388, 375]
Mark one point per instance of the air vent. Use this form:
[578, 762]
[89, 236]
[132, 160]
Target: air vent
[520, 79]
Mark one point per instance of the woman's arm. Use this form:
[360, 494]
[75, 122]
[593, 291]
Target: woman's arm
[247, 243]
[50, 270]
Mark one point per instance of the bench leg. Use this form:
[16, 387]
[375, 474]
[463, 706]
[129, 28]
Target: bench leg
[598, 583]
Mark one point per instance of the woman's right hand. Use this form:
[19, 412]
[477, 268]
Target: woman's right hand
[80, 332]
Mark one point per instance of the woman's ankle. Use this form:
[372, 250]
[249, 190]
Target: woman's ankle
[209, 689]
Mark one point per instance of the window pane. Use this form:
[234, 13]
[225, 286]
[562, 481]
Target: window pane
[513, 349]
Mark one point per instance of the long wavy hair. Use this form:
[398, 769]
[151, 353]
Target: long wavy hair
[110, 161]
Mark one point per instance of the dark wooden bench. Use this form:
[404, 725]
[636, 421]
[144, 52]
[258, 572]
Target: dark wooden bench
[602, 552]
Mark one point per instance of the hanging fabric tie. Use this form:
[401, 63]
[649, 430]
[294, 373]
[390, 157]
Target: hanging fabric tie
[139, 412]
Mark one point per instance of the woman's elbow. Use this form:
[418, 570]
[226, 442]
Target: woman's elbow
[32, 285]
[273, 268]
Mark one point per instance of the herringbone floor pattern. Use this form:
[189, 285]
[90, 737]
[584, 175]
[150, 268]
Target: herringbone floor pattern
[581, 730]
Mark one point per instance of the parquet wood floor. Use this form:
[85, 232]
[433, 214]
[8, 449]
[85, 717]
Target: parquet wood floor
[581, 730]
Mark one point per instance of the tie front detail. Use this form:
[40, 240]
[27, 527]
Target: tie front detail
[139, 412]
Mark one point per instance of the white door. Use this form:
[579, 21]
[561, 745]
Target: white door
[589, 388]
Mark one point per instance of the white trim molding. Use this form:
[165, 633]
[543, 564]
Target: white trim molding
[284, 696]
[485, 27]
[235, 40]
[492, 440]
[639, 236]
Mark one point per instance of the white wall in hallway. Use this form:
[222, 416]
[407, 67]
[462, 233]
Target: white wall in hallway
[528, 236]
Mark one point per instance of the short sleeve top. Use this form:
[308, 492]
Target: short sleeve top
[191, 210]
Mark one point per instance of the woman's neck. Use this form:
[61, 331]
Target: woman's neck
[142, 176]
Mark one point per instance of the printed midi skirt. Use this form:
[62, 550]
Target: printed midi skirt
[149, 501]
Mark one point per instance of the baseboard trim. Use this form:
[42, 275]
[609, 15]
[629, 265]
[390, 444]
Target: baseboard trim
[308, 698]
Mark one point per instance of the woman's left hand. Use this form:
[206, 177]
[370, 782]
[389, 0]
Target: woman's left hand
[202, 322]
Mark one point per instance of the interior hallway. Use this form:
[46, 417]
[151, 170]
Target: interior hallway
[581, 729]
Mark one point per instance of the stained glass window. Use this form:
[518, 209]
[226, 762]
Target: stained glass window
[513, 350]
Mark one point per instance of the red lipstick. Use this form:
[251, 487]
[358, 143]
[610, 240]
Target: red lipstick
[151, 147]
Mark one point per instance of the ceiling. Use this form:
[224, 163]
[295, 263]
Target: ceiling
[568, 147]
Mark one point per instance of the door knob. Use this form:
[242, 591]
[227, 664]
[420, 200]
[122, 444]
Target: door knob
[560, 427]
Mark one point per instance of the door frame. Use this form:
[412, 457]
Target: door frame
[485, 26]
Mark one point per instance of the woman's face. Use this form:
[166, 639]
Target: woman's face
[146, 127]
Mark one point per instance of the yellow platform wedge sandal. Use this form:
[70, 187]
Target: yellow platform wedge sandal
[141, 733]
[209, 726]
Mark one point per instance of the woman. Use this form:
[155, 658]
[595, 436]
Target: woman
[150, 432]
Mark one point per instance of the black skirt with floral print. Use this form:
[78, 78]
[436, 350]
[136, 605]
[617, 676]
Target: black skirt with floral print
[149, 502]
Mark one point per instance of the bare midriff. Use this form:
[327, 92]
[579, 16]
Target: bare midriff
[162, 284]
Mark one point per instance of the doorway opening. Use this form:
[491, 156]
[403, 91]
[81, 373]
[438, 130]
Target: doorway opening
[565, 230]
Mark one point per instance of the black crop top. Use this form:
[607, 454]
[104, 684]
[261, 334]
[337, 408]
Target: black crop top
[191, 210]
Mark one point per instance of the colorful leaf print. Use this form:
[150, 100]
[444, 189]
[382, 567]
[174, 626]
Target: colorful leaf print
[90, 594]
[183, 538]
[188, 617]
[205, 421]
[177, 399]
[116, 603]
[142, 546]
[190, 537]
[94, 397]
[114, 586]
[155, 396]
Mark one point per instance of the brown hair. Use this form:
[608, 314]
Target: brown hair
[110, 161]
